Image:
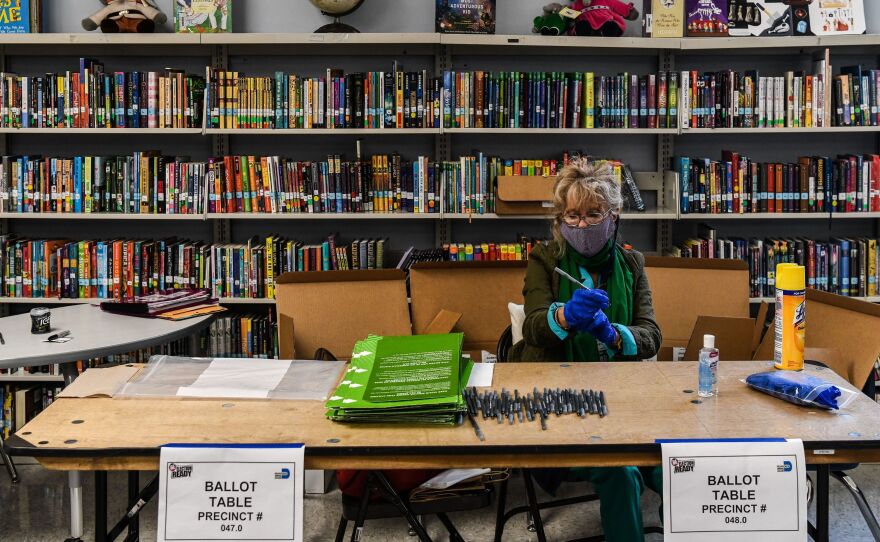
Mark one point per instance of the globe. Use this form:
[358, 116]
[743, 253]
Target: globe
[337, 8]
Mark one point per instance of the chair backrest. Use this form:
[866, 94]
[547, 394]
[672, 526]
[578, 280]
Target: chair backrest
[504, 344]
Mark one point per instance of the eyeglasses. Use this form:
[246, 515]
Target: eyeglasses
[590, 219]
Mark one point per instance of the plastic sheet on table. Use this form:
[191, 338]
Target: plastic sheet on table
[175, 376]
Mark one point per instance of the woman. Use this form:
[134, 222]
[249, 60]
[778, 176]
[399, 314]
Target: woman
[612, 320]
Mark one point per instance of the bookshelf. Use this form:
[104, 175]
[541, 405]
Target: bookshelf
[261, 53]
[516, 42]
[27, 378]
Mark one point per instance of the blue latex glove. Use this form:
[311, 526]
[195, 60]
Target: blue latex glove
[601, 329]
[580, 310]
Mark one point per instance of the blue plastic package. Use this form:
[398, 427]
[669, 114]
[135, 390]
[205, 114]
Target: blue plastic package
[797, 387]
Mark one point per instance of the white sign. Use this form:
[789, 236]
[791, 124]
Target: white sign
[734, 490]
[231, 492]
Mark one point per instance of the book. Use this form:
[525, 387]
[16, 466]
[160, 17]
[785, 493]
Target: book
[760, 18]
[202, 16]
[841, 266]
[21, 17]
[228, 336]
[827, 17]
[464, 16]
[845, 184]
[706, 17]
[663, 18]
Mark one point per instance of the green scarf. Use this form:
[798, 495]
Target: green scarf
[619, 285]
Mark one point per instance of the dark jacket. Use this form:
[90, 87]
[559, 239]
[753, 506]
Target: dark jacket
[541, 289]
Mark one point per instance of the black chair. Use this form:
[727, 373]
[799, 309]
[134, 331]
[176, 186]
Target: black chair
[393, 505]
[533, 508]
[839, 471]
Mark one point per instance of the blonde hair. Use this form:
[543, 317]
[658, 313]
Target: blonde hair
[587, 182]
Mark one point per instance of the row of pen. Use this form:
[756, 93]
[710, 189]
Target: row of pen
[536, 405]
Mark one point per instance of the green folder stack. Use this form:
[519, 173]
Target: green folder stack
[414, 379]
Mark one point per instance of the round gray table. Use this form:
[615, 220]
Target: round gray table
[95, 334]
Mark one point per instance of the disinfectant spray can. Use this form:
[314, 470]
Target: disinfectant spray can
[790, 316]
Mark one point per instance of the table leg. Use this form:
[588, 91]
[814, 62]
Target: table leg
[74, 480]
[74, 484]
[822, 475]
[134, 491]
[533, 504]
[100, 506]
[7, 462]
[399, 503]
[138, 500]
[501, 509]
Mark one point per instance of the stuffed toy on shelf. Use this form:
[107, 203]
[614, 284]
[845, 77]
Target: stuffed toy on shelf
[551, 23]
[602, 17]
[125, 16]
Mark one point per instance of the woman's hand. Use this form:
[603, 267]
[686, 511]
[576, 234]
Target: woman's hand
[580, 311]
[602, 330]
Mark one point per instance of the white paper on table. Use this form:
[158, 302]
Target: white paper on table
[235, 377]
[481, 375]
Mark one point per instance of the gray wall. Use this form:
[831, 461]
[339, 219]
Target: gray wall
[514, 16]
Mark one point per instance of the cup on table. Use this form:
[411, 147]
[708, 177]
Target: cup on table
[40, 320]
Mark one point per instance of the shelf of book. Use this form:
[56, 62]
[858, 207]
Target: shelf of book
[519, 42]
[772, 300]
[323, 216]
[98, 38]
[100, 216]
[323, 131]
[655, 215]
[715, 44]
[353, 39]
[533, 131]
[47, 301]
[96, 131]
[779, 131]
[95, 301]
[512, 42]
[757, 216]
[29, 378]
[246, 301]
[870, 215]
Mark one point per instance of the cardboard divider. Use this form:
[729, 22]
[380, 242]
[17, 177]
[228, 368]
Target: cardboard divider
[334, 309]
[479, 291]
[686, 288]
[729, 334]
[845, 331]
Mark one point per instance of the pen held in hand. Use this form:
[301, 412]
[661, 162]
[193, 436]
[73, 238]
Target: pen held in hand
[571, 278]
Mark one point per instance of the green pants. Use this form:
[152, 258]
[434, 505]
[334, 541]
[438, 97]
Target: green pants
[620, 490]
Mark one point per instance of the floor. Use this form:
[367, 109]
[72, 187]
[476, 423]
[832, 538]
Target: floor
[35, 510]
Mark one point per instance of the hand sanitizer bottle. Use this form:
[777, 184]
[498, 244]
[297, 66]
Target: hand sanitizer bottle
[708, 368]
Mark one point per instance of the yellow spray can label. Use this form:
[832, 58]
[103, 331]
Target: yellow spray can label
[790, 317]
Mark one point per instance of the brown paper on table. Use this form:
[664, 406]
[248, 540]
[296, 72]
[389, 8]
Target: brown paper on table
[102, 382]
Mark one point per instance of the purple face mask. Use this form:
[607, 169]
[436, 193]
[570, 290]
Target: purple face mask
[590, 240]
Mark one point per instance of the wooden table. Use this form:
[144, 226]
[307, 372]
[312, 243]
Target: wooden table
[646, 401]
